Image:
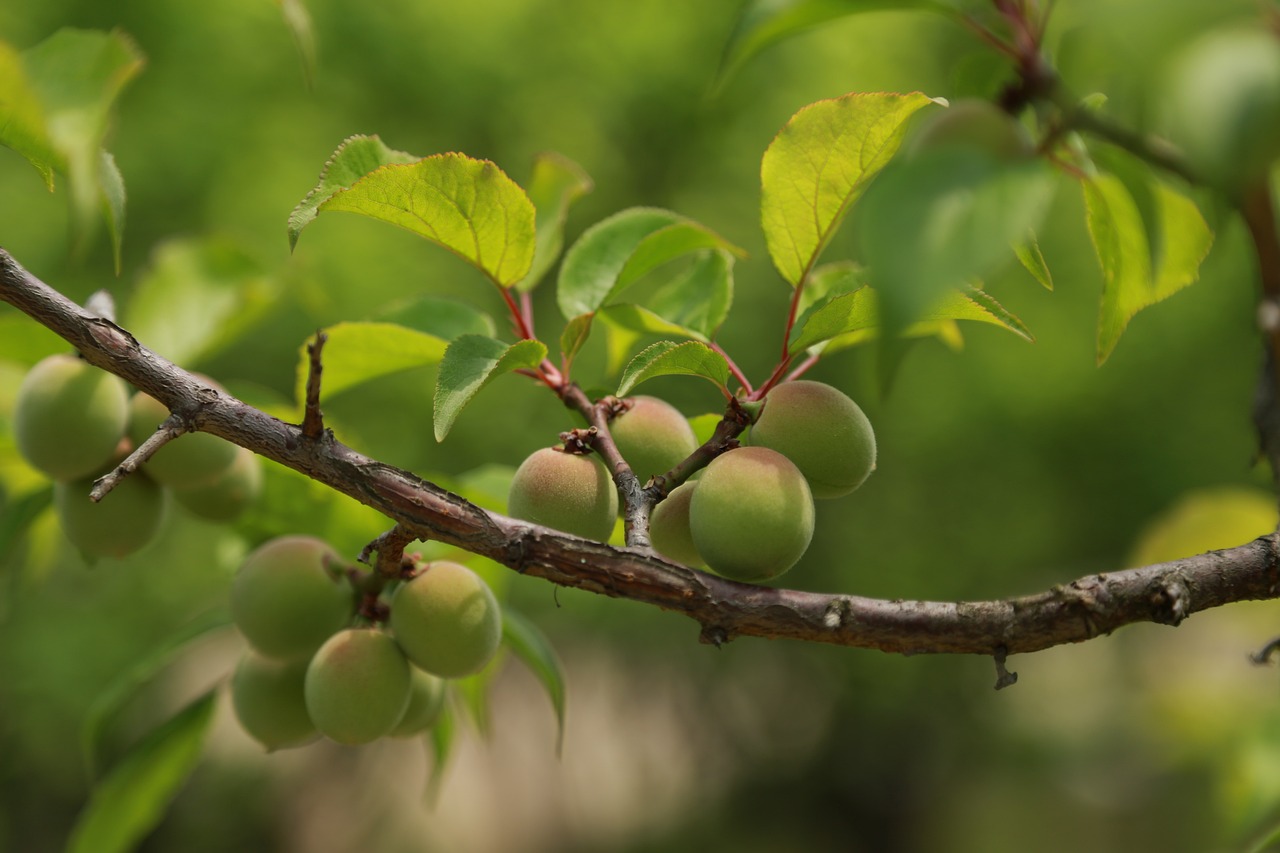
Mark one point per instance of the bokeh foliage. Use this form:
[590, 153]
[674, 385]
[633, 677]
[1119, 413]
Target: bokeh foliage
[1004, 468]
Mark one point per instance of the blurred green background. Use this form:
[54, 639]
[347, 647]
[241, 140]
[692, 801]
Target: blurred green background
[1004, 469]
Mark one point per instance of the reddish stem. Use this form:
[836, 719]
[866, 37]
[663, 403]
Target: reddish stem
[733, 367]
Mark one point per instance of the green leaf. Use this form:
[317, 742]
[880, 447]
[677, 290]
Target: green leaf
[1028, 253]
[198, 297]
[77, 75]
[444, 318]
[616, 252]
[637, 318]
[130, 801]
[818, 165]
[826, 282]
[107, 706]
[853, 318]
[532, 647]
[944, 218]
[1129, 281]
[472, 362]
[356, 157]
[441, 736]
[111, 183]
[18, 515]
[575, 335]
[298, 20]
[356, 353]
[843, 315]
[556, 184]
[697, 298]
[22, 121]
[467, 206]
[667, 358]
[762, 23]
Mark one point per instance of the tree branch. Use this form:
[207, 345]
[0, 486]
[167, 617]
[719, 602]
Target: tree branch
[1081, 610]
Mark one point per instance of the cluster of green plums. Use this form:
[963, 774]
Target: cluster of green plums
[74, 422]
[311, 670]
[749, 515]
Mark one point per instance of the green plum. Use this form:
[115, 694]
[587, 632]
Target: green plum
[652, 436]
[192, 459]
[357, 686]
[822, 431]
[426, 704]
[270, 703]
[447, 620]
[69, 417]
[125, 520]
[751, 515]
[227, 495]
[669, 526]
[565, 491]
[290, 595]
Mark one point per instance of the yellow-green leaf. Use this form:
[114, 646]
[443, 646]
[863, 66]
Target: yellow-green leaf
[818, 165]
[1130, 283]
[467, 206]
[356, 353]
[356, 157]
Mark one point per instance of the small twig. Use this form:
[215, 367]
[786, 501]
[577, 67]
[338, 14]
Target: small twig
[1263, 656]
[172, 427]
[313, 418]
[1004, 678]
[392, 564]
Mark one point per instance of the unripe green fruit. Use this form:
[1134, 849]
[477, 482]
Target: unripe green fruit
[69, 417]
[289, 596]
[357, 686]
[269, 701]
[752, 514]
[126, 519]
[447, 620]
[822, 431]
[426, 702]
[227, 495]
[669, 526]
[191, 459]
[652, 436]
[975, 124]
[565, 491]
[1223, 105]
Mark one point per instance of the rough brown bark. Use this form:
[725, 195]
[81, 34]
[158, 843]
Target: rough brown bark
[1080, 610]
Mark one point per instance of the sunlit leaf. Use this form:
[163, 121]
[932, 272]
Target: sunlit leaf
[944, 218]
[77, 75]
[22, 121]
[532, 647]
[616, 252]
[853, 318]
[819, 164]
[1129, 281]
[556, 184]
[1028, 254]
[472, 362]
[637, 318]
[762, 23]
[197, 297]
[298, 20]
[356, 157]
[667, 358]
[130, 801]
[356, 353]
[467, 206]
[106, 708]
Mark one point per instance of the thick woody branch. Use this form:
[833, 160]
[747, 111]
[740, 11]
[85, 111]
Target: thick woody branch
[1081, 610]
